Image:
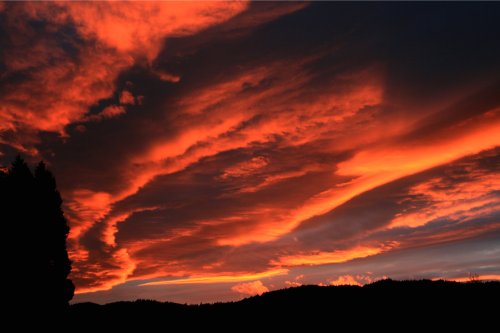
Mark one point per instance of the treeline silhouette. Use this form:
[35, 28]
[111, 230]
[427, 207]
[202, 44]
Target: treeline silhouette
[34, 238]
[382, 303]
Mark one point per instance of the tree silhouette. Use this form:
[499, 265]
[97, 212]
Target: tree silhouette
[37, 232]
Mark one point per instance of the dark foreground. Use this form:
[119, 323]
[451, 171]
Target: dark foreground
[381, 303]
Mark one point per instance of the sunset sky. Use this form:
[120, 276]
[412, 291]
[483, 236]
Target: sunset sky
[208, 151]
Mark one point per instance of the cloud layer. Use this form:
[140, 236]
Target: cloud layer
[237, 146]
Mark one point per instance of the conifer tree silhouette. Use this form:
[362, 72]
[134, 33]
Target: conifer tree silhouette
[37, 231]
[55, 231]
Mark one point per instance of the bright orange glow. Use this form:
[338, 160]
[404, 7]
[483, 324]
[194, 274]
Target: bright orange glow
[486, 277]
[219, 278]
[335, 257]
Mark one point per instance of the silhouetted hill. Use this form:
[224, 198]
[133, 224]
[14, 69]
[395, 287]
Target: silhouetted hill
[386, 300]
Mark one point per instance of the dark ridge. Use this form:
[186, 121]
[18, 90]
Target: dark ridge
[420, 300]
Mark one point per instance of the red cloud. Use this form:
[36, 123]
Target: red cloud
[126, 97]
[60, 85]
[138, 28]
[107, 113]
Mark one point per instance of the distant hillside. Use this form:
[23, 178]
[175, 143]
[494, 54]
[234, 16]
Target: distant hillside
[421, 300]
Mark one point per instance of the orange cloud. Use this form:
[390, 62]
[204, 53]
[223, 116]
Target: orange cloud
[86, 208]
[107, 113]
[111, 224]
[345, 280]
[67, 92]
[138, 28]
[320, 258]
[60, 87]
[245, 168]
[330, 110]
[100, 277]
[167, 77]
[126, 97]
[219, 278]
[250, 288]
[377, 166]
[460, 201]
[353, 280]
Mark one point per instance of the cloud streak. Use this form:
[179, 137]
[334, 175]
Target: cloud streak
[219, 279]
